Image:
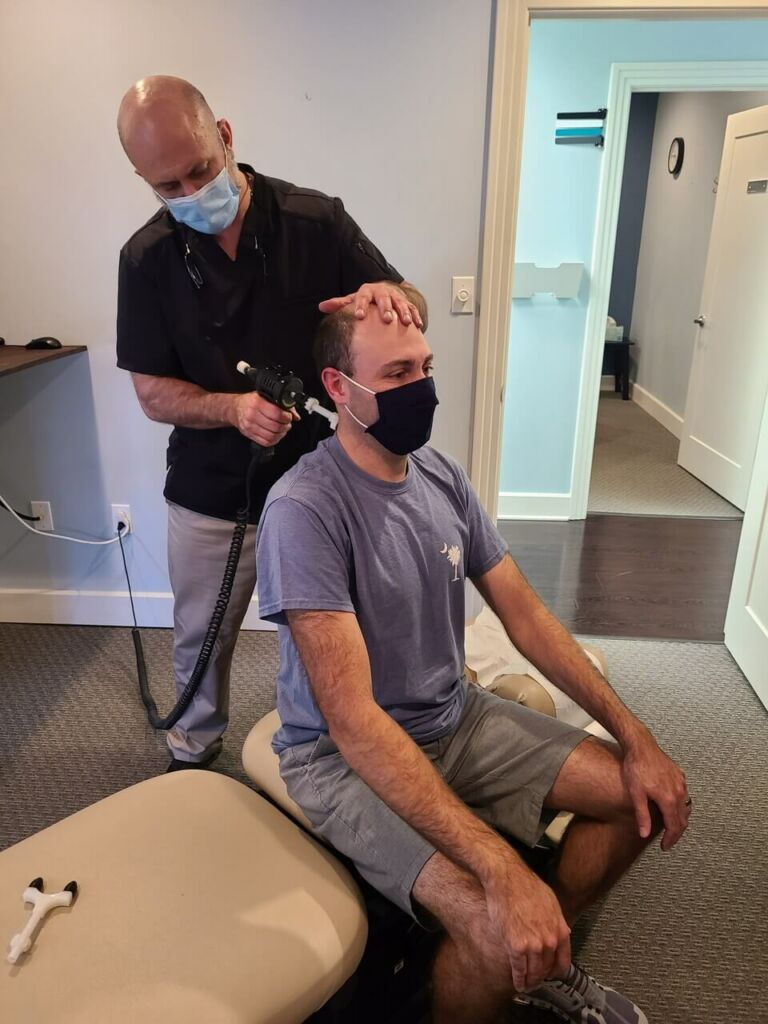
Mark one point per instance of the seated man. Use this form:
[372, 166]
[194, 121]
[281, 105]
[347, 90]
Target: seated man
[363, 550]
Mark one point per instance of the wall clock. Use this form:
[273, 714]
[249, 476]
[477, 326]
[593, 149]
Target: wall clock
[676, 154]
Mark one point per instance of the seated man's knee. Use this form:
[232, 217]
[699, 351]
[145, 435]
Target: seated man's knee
[482, 951]
[624, 807]
[591, 783]
[624, 810]
[457, 901]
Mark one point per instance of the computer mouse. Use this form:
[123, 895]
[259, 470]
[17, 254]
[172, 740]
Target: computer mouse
[43, 343]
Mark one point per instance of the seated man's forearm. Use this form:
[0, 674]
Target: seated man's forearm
[398, 771]
[182, 404]
[334, 655]
[548, 645]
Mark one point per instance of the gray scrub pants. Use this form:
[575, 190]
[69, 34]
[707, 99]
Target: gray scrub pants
[197, 554]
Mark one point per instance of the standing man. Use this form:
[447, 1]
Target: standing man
[234, 266]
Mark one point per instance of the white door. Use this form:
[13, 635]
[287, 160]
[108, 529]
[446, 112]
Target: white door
[729, 373]
[746, 624]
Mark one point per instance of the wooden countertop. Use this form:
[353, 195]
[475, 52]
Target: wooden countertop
[16, 357]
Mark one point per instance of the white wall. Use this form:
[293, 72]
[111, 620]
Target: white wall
[673, 250]
[383, 105]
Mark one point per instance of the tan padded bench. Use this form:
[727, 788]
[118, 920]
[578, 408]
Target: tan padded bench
[262, 766]
[198, 903]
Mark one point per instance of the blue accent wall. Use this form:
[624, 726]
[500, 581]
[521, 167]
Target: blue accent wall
[569, 66]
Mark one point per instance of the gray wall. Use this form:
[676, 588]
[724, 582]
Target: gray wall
[383, 106]
[676, 229]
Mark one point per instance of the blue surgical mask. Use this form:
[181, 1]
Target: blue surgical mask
[212, 208]
[405, 415]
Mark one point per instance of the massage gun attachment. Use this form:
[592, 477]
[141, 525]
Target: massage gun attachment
[284, 389]
[41, 904]
[313, 405]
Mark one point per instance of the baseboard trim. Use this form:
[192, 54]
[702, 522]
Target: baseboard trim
[514, 505]
[99, 608]
[660, 412]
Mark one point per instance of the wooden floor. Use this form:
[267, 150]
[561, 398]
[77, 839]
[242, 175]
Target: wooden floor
[631, 576]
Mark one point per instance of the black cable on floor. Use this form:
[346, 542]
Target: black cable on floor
[127, 577]
[217, 616]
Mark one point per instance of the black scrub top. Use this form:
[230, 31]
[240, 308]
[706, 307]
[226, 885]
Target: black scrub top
[297, 248]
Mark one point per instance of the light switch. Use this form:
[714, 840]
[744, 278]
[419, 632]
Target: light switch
[462, 295]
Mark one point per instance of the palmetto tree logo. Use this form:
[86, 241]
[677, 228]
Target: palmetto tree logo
[453, 554]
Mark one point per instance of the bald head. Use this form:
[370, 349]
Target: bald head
[158, 105]
[170, 135]
[153, 104]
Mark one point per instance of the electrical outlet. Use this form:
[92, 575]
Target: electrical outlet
[121, 514]
[42, 509]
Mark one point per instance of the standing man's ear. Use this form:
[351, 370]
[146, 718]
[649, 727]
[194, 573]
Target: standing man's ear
[225, 128]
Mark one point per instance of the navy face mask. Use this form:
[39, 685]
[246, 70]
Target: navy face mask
[405, 415]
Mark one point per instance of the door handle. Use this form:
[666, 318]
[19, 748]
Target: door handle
[699, 320]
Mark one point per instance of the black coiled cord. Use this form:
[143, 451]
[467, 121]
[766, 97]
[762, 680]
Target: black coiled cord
[219, 611]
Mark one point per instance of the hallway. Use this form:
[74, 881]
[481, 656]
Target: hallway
[635, 470]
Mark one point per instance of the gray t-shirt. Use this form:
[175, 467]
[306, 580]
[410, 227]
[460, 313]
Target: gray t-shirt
[333, 538]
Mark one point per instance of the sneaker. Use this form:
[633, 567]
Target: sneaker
[580, 999]
[177, 765]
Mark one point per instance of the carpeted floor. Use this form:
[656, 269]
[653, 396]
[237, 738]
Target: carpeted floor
[685, 933]
[635, 470]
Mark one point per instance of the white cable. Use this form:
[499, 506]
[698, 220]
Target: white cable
[58, 536]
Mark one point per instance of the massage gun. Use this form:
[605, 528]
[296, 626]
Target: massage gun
[284, 389]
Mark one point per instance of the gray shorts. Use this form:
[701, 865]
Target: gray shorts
[501, 760]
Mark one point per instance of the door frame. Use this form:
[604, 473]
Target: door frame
[502, 185]
[714, 76]
[740, 620]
